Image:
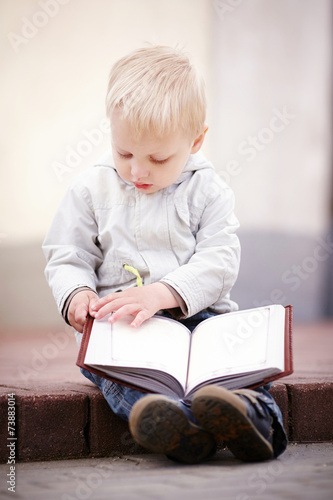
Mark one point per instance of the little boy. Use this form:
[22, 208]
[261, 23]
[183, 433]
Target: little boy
[155, 205]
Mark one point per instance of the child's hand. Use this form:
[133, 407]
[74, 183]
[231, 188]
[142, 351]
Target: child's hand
[141, 302]
[79, 307]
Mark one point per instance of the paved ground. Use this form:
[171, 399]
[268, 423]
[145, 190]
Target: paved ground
[304, 472]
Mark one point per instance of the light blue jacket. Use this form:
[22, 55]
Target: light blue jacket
[183, 236]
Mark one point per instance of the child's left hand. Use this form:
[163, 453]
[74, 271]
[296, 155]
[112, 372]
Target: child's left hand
[141, 302]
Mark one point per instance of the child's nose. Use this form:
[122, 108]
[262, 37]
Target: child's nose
[138, 170]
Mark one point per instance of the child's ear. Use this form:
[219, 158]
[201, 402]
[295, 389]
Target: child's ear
[198, 141]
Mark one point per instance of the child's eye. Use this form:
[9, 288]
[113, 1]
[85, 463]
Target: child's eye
[159, 162]
[124, 155]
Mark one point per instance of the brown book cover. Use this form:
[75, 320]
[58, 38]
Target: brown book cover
[288, 355]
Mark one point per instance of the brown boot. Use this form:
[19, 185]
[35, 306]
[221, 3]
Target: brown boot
[161, 425]
[238, 419]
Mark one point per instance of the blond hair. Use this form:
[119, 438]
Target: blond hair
[158, 89]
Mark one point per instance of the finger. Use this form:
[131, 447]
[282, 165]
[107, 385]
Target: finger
[125, 310]
[107, 309]
[103, 301]
[80, 314]
[92, 303]
[77, 326]
[113, 306]
[140, 318]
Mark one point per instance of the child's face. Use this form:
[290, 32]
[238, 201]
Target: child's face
[150, 163]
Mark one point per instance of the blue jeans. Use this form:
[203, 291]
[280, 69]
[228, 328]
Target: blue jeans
[121, 398]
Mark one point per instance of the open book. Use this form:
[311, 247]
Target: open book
[238, 349]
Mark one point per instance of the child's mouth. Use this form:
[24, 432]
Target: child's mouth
[138, 185]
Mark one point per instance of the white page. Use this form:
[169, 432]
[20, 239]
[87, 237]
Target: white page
[99, 346]
[238, 342]
[159, 344]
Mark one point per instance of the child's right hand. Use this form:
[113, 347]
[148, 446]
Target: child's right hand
[79, 308]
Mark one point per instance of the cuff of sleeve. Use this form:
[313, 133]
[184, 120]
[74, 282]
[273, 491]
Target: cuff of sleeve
[64, 311]
[178, 312]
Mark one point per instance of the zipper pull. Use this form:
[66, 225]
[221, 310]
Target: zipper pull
[135, 272]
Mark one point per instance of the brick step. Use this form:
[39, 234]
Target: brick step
[74, 420]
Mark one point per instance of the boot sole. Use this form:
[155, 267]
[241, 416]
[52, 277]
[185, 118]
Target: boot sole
[160, 426]
[224, 414]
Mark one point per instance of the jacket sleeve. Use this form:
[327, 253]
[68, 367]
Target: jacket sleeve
[206, 279]
[71, 246]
